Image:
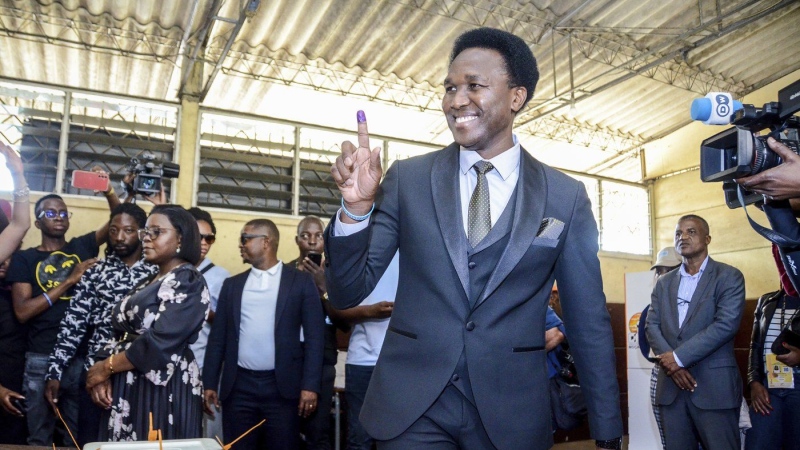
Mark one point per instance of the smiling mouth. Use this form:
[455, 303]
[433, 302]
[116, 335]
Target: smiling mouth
[465, 119]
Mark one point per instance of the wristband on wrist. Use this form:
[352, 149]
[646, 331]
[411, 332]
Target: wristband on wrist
[355, 217]
[109, 192]
[22, 194]
[47, 297]
[111, 364]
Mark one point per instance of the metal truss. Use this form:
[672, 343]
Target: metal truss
[528, 23]
[577, 133]
[322, 76]
[664, 62]
[80, 33]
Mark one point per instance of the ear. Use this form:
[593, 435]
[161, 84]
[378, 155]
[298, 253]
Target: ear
[37, 224]
[518, 96]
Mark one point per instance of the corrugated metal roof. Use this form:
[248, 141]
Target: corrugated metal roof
[636, 64]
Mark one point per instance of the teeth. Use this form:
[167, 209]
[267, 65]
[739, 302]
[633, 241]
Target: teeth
[465, 119]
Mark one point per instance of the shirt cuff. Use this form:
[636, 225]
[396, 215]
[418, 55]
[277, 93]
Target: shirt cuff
[346, 229]
[677, 360]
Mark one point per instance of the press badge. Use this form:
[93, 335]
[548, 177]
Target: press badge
[779, 375]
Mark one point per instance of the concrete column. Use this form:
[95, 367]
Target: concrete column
[188, 152]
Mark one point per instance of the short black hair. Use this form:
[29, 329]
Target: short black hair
[186, 226]
[132, 210]
[520, 63]
[275, 235]
[38, 208]
[310, 218]
[697, 218]
[201, 214]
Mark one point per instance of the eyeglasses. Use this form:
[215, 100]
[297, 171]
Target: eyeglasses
[51, 214]
[246, 237]
[152, 233]
[209, 238]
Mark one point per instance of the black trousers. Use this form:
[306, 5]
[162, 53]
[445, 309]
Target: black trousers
[255, 397]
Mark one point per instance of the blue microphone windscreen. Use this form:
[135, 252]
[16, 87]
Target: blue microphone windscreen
[701, 109]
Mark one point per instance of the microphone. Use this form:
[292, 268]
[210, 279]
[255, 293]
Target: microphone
[716, 108]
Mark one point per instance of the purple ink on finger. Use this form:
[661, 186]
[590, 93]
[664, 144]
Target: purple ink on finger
[361, 117]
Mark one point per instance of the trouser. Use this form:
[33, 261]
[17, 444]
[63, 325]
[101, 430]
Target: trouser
[88, 416]
[41, 418]
[451, 423]
[685, 425]
[781, 428]
[255, 397]
[355, 388]
[317, 427]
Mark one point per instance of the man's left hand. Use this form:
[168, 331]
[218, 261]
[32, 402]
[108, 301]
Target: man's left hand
[684, 380]
[308, 403]
[792, 358]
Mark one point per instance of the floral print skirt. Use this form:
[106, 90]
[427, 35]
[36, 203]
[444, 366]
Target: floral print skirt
[177, 407]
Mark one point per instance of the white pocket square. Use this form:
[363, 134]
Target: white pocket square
[550, 228]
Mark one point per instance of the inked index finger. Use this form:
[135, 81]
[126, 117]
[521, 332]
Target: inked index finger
[363, 134]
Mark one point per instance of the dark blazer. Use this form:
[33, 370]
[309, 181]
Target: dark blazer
[502, 331]
[298, 366]
[704, 343]
[762, 317]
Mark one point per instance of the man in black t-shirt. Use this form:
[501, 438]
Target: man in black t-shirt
[42, 279]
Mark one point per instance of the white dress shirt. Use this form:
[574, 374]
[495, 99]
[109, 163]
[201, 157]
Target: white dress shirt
[686, 290]
[257, 325]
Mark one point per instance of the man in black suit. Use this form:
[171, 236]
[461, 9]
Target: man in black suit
[268, 331]
[483, 229]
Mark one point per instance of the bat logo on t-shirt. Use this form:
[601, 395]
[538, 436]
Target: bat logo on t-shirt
[53, 270]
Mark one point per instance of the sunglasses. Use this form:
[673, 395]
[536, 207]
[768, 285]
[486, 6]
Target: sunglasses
[209, 238]
[152, 233]
[246, 237]
[51, 214]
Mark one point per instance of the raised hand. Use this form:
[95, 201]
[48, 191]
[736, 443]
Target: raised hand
[357, 172]
[13, 161]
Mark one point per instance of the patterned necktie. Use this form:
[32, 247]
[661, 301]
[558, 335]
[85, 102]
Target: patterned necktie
[479, 214]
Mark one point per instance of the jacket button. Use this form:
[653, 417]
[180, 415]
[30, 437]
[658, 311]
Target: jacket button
[471, 265]
[470, 326]
[454, 378]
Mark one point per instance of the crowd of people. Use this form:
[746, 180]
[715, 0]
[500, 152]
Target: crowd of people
[442, 271]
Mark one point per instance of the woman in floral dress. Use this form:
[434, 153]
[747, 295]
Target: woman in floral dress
[148, 366]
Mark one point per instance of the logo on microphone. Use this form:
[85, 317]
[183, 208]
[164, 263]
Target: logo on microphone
[723, 105]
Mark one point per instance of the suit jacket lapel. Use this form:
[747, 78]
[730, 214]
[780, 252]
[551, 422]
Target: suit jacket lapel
[528, 214]
[236, 301]
[672, 301]
[702, 286]
[447, 203]
[287, 276]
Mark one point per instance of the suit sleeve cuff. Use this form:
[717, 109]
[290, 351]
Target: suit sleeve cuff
[677, 360]
[346, 229]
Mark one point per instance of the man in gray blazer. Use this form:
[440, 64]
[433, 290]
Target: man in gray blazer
[694, 315]
[463, 361]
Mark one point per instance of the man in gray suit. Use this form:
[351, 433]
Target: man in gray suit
[483, 229]
[694, 315]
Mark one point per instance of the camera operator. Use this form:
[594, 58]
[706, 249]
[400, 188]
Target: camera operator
[775, 392]
[778, 183]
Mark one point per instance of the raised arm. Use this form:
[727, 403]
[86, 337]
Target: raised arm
[20, 219]
[101, 235]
